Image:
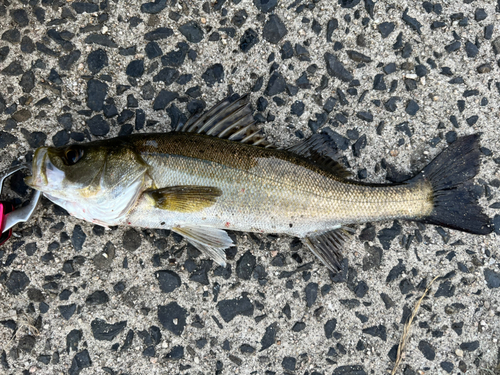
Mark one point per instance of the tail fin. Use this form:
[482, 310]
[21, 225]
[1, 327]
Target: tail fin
[450, 174]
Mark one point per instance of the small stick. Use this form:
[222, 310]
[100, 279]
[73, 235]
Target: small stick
[406, 329]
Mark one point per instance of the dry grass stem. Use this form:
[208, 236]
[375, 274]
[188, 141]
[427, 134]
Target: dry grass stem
[406, 329]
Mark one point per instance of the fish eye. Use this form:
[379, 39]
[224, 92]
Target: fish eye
[72, 155]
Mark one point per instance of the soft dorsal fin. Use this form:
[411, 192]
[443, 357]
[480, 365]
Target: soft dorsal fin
[322, 151]
[229, 119]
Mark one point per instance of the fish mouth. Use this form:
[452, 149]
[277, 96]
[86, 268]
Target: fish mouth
[38, 178]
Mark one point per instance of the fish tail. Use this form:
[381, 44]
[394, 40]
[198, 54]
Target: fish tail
[450, 175]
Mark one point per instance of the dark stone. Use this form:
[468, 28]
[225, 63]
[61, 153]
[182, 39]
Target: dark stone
[447, 366]
[175, 354]
[106, 332]
[331, 26]
[274, 29]
[377, 331]
[379, 83]
[159, 33]
[311, 293]
[13, 69]
[248, 40]
[297, 108]
[269, 337]
[391, 104]
[348, 3]
[358, 57]
[200, 274]
[153, 50]
[167, 75]
[163, 99]
[99, 297]
[412, 22]
[78, 238]
[228, 309]
[412, 107]
[480, 14]
[17, 282]
[336, 69]
[131, 240]
[427, 350]
[453, 46]
[128, 340]
[289, 363]
[97, 125]
[101, 39]
[330, 328]
[4, 52]
[80, 361]
[6, 139]
[446, 289]
[168, 280]
[245, 266]
[469, 346]
[96, 93]
[421, 70]
[361, 289]
[67, 311]
[365, 116]
[135, 68]
[26, 343]
[154, 7]
[72, 340]
[192, 31]
[276, 85]
[247, 349]
[27, 81]
[265, 6]
[61, 138]
[396, 271]
[20, 17]
[386, 28]
[471, 49]
[492, 278]
[173, 317]
[81, 7]
[12, 36]
[175, 58]
[239, 18]
[213, 74]
[349, 370]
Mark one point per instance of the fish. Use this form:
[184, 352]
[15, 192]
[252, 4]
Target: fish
[217, 172]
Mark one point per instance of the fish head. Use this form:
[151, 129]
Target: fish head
[97, 181]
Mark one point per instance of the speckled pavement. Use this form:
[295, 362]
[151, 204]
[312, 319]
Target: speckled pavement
[393, 81]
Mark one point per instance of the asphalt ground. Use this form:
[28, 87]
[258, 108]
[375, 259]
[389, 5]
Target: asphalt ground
[395, 82]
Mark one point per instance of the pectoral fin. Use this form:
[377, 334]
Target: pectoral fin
[184, 198]
[328, 246]
[210, 241]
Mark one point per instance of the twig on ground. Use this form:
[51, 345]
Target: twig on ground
[406, 329]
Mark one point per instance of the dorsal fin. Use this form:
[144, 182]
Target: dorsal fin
[229, 119]
[322, 151]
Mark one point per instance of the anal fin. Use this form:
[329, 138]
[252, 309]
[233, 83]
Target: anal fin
[210, 241]
[327, 246]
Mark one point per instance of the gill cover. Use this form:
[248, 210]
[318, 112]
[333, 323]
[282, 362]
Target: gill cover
[98, 181]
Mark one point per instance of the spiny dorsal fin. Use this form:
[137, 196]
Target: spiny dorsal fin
[228, 119]
[328, 246]
[184, 198]
[322, 151]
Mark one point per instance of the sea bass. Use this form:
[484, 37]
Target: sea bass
[217, 173]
